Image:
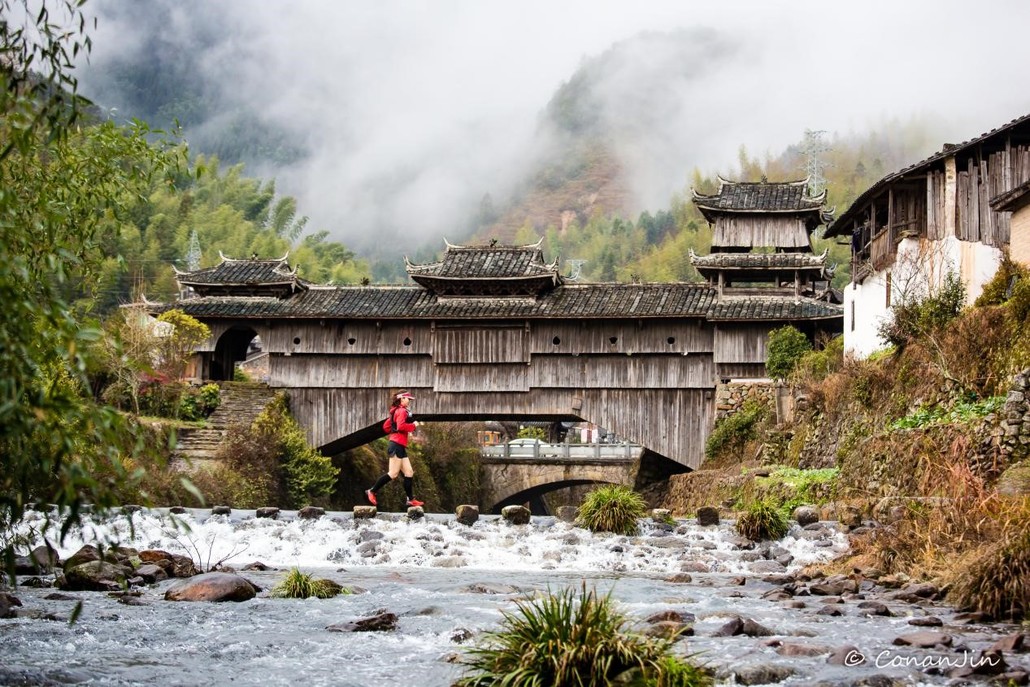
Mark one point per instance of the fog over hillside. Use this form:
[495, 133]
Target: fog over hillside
[390, 121]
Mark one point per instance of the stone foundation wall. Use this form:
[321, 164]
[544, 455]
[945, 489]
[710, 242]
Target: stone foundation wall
[729, 397]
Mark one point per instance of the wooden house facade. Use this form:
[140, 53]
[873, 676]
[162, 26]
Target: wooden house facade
[952, 212]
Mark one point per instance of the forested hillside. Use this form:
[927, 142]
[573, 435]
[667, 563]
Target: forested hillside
[618, 124]
[195, 216]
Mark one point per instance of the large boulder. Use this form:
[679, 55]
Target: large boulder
[212, 586]
[467, 514]
[96, 576]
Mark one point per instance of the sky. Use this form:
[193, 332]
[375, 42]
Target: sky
[412, 110]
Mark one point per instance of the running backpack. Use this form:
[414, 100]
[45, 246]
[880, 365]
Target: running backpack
[389, 424]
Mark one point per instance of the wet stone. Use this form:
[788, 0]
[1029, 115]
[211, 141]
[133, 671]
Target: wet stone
[927, 621]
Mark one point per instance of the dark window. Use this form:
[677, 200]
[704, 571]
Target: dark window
[407, 341]
[613, 340]
[296, 340]
[351, 341]
[671, 340]
[556, 340]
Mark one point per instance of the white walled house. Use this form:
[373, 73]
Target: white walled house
[951, 212]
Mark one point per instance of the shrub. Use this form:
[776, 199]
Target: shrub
[788, 488]
[297, 585]
[306, 474]
[785, 349]
[817, 364]
[918, 317]
[564, 640]
[197, 404]
[733, 431]
[612, 508]
[762, 520]
[998, 582]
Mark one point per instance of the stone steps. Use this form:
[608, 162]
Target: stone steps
[241, 403]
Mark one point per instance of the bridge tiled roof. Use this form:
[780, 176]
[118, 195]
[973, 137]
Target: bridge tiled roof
[389, 302]
[572, 300]
[751, 308]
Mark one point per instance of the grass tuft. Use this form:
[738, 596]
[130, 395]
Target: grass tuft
[997, 582]
[565, 639]
[612, 508]
[762, 520]
[298, 585]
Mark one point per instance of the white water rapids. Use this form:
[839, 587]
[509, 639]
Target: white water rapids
[442, 579]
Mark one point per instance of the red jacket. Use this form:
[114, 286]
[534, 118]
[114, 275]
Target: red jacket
[402, 419]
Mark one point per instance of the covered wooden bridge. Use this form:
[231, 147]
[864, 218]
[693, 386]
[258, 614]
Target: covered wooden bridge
[496, 333]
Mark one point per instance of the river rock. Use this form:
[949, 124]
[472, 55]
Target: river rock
[874, 608]
[794, 649]
[516, 515]
[85, 554]
[221, 510]
[760, 674]
[416, 513]
[364, 512]
[1015, 481]
[151, 573]
[270, 512]
[847, 655]
[567, 513]
[177, 510]
[8, 603]
[707, 515]
[95, 576]
[174, 564]
[927, 621]
[467, 514]
[310, 513]
[806, 515]
[384, 622]
[661, 515]
[1013, 642]
[213, 586]
[923, 640]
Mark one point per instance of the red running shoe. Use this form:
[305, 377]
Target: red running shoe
[370, 496]
[414, 503]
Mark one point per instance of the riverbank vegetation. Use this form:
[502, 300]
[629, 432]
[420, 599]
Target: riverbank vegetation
[612, 508]
[927, 438]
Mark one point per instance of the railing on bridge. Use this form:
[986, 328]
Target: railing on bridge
[538, 450]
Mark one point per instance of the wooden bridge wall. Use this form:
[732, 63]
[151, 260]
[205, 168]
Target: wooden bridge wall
[649, 381]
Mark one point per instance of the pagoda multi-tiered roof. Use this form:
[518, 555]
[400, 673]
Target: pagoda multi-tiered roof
[761, 241]
[244, 277]
[488, 271]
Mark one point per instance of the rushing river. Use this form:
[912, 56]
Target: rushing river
[445, 580]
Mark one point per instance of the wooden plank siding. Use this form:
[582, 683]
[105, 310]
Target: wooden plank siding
[478, 344]
[743, 343]
[622, 372]
[664, 336]
[673, 422]
[757, 230]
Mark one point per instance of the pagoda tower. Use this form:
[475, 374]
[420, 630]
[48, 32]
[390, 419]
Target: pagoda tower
[762, 241]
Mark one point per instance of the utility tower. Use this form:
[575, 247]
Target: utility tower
[193, 253]
[811, 147]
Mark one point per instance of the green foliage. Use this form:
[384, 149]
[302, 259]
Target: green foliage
[612, 508]
[532, 433]
[918, 316]
[815, 365]
[61, 184]
[762, 520]
[298, 585]
[307, 475]
[563, 639]
[996, 583]
[788, 488]
[960, 412]
[733, 431]
[786, 347]
[450, 454]
[176, 349]
[199, 403]
[240, 375]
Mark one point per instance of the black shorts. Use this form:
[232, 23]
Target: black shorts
[395, 450]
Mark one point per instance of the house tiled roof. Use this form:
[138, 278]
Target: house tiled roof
[487, 262]
[763, 196]
[773, 308]
[842, 225]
